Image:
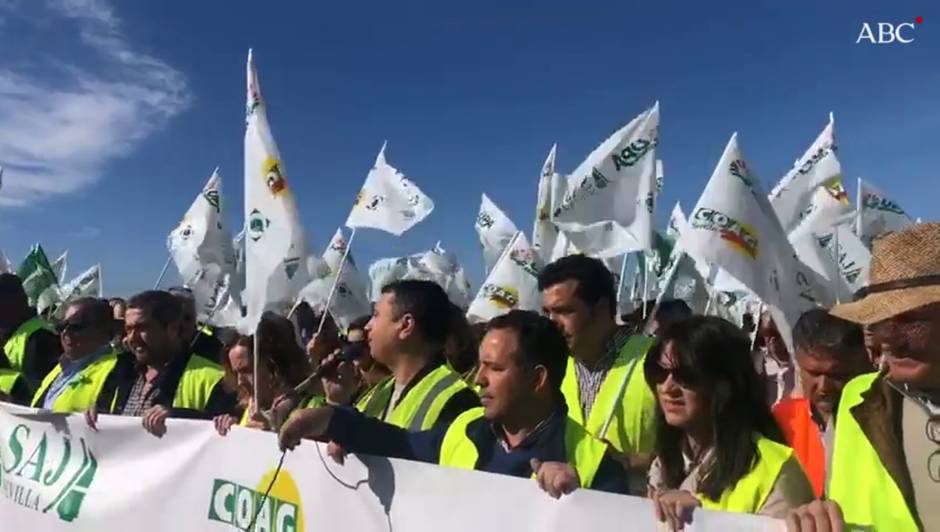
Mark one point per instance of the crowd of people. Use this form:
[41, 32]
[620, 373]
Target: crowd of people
[839, 430]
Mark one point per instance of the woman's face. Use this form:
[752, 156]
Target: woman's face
[242, 364]
[682, 406]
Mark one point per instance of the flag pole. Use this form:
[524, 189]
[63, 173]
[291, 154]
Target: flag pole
[256, 364]
[835, 261]
[646, 283]
[339, 273]
[623, 271]
[166, 266]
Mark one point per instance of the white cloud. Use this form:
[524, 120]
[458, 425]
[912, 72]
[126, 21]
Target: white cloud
[57, 133]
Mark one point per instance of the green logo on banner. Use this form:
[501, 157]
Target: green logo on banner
[237, 505]
[46, 472]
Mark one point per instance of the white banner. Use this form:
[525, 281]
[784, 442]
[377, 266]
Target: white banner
[57, 474]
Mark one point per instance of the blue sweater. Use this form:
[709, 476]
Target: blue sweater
[360, 434]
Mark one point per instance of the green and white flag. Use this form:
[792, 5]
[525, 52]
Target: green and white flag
[39, 279]
[86, 284]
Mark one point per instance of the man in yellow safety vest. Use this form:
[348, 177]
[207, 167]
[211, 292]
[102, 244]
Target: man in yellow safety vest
[886, 454]
[31, 347]
[604, 384]
[522, 429]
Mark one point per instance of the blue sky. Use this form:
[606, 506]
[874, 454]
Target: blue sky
[112, 115]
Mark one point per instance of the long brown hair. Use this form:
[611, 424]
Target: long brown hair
[280, 353]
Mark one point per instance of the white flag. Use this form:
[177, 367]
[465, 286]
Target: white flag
[275, 243]
[86, 284]
[201, 247]
[828, 207]
[495, 230]
[734, 227]
[333, 254]
[389, 201]
[60, 266]
[442, 267]
[818, 166]
[512, 285]
[437, 265]
[853, 257]
[877, 214]
[5, 265]
[609, 203]
[544, 232]
[350, 300]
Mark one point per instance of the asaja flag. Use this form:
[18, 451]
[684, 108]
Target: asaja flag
[389, 201]
[817, 167]
[275, 243]
[512, 285]
[608, 206]
[39, 280]
[202, 249]
[877, 213]
[544, 232]
[495, 230]
[734, 227]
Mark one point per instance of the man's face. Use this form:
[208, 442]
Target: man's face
[384, 331]
[572, 315]
[823, 375]
[502, 380]
[150, 341]
[910, 345]
[80, 334]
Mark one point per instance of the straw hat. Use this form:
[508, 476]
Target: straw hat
[904, 275]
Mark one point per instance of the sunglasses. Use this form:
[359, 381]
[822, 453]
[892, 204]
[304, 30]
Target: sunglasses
[73, 326]
[682, 376]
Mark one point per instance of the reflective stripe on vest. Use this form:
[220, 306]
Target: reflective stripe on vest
[802, 433]
[372, 403]
[582, 451]
[196, 384]
[750, 493]
[868, 496]
[632, 428]
[15, 347]
[8, 378]
[421, 406]
[423, 403]
[81, 392]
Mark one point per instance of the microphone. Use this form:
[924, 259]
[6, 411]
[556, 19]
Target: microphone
[348, 353]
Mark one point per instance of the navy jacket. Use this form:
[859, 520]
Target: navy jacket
[360, 434]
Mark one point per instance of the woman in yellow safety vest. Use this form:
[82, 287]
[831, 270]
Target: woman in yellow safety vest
[717, 444]
[283, 366]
